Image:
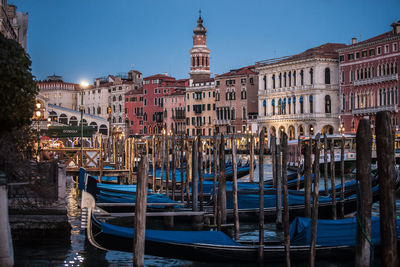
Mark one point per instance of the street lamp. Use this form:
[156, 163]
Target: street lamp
[38, 115]
[341, 128]
[84, 85]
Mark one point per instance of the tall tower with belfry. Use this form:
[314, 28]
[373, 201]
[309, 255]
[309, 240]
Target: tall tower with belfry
[199, 54]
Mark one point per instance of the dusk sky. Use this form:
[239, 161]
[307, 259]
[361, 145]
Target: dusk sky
[85, 39]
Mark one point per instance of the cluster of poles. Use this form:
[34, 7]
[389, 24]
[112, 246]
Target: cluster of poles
[169, 152]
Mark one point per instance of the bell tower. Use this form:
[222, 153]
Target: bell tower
[199, 54]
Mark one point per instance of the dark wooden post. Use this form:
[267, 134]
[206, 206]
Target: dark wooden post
[278, 168]
[195, 180]
[140, 213]
[234, 189]
[342, 178]
[261, 189]
[173, 165]
[326, 164]
[298, 163]
[333, 186]
[273, 157]
[307, 178]
[181, 169]
[201, 173]
[386, 172]
[162, 161]
[364, 205]
[315, 201]
[215, 195]
[221, 185]
[188, 169]
[168, 176]
[251, 163]
[284, 148]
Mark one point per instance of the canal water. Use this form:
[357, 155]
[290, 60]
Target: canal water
[78, 252]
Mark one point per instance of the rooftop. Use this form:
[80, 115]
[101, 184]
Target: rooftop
[327, 50]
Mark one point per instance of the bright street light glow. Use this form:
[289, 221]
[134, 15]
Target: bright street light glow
[84, 84]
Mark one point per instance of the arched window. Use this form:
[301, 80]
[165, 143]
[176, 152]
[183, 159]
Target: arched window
[311, 76]
[311, 104]
[114, 120]
[280, 80]
[120, 98]
[114, 98]
[265, 107]
[327, 104]
[120, 120]
[344, 102]
[284, 79]
[294, 78]
[193, 61]
[327, 76]
[88, 110]
[273, 81]
[301, 77]
[273, 106]
[265, 82]
[198, 60]
[94, 110]
[301, 105]
[120, 108]
[98, 110]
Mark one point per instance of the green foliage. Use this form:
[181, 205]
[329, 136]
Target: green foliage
[17, 87]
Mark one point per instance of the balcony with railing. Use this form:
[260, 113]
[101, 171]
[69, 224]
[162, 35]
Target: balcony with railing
[373, 110]
[301, 117]
[392, 77]
[222, 122]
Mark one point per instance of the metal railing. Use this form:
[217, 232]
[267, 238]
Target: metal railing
[376, 79]
[371, 110]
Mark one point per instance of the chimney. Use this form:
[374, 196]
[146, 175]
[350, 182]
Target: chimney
[396, 27]
[353, 40]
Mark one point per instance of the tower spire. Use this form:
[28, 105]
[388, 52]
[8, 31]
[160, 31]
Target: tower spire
[199, 54]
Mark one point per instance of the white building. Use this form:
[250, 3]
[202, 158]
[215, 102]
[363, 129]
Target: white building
[107, 98]
[57, 92]
[299, 94]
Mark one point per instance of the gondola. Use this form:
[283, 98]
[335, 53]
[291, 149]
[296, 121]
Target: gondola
[215, 246]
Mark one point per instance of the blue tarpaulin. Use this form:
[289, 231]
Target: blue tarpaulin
[333, 232]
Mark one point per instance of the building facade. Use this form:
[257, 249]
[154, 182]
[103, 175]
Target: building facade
[13, 24]
[174, 111]
[59, 93]
[299, 94]
[106, 98]
[369, 79]
[134, 111]
[236, 99]
[200, 107]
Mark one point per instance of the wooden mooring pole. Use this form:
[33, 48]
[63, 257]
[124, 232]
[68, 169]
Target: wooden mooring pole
[315, 201]
[307, 178]
[181, 169]
[342, 178]
[261, 189]
[286, 224]
[173, 166]
[201, 172]
[333, 186]
[140, 213]
[195, 180]
[278, 168]
[167, 161]
[364, 202]
[251, 163]
[221, 185]
[273, 157]
[326, 165]
[386, 172]
[215, 195]
[298, 163]
[234, 189]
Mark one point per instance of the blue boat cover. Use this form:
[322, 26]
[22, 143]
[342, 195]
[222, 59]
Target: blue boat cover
[333, 232]
[182, 237]
[112, 197]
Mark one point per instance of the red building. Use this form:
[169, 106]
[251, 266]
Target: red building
[369, 79]
[144, 107]
[134, 111]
